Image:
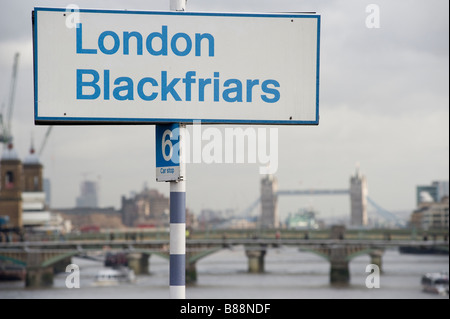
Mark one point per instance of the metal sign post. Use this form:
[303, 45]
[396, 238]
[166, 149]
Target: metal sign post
[170, 166]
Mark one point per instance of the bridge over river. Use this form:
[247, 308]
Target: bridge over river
[43, 258]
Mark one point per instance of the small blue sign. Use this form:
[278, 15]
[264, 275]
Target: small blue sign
[167, 152]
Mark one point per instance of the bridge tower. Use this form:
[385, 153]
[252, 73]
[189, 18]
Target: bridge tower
[358, 199]
[269, 202]
[11, 186]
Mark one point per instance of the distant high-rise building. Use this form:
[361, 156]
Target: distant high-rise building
[432, 206]
[47, 190]
[88, 195]
[358, 199]
[442, 190]
[269, 202]
[437, 190]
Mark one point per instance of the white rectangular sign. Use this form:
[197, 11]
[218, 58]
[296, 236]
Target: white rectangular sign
[148, 67]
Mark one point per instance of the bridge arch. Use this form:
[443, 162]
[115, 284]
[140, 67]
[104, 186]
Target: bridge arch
[14, 260]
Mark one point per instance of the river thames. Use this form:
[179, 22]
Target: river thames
[289, 274]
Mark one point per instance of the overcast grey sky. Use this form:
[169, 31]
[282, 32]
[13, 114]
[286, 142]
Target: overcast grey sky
[384, 103]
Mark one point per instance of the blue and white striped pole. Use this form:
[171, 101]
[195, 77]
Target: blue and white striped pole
[177, 272]
[171, 167]
[178, 240]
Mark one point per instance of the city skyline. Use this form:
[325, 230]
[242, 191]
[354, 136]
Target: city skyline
[383, 104]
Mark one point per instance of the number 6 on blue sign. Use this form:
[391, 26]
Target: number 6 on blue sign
[167, 152]
[165, 143]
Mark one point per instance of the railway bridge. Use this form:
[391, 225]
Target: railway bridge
[42, 259]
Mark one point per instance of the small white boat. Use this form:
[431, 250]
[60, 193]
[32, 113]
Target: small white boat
[114, 276]
[435, 282]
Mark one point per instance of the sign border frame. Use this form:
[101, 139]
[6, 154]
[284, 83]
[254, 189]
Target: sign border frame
[154, 121]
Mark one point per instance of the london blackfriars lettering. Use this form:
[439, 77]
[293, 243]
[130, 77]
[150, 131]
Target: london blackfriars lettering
[92, 84]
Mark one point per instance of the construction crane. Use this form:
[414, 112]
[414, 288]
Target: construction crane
[49, 129]
[6, 112]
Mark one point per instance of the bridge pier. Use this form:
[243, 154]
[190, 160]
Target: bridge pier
[376, 257]
[339, 273]
[194, 254]
[39, 277]
[191, 272]
[36, 275]
[61, 265]
[255, 255]
[139, 263]
[339, 266]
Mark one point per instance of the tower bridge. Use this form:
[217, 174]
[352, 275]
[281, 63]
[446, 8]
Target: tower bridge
[358, 193]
